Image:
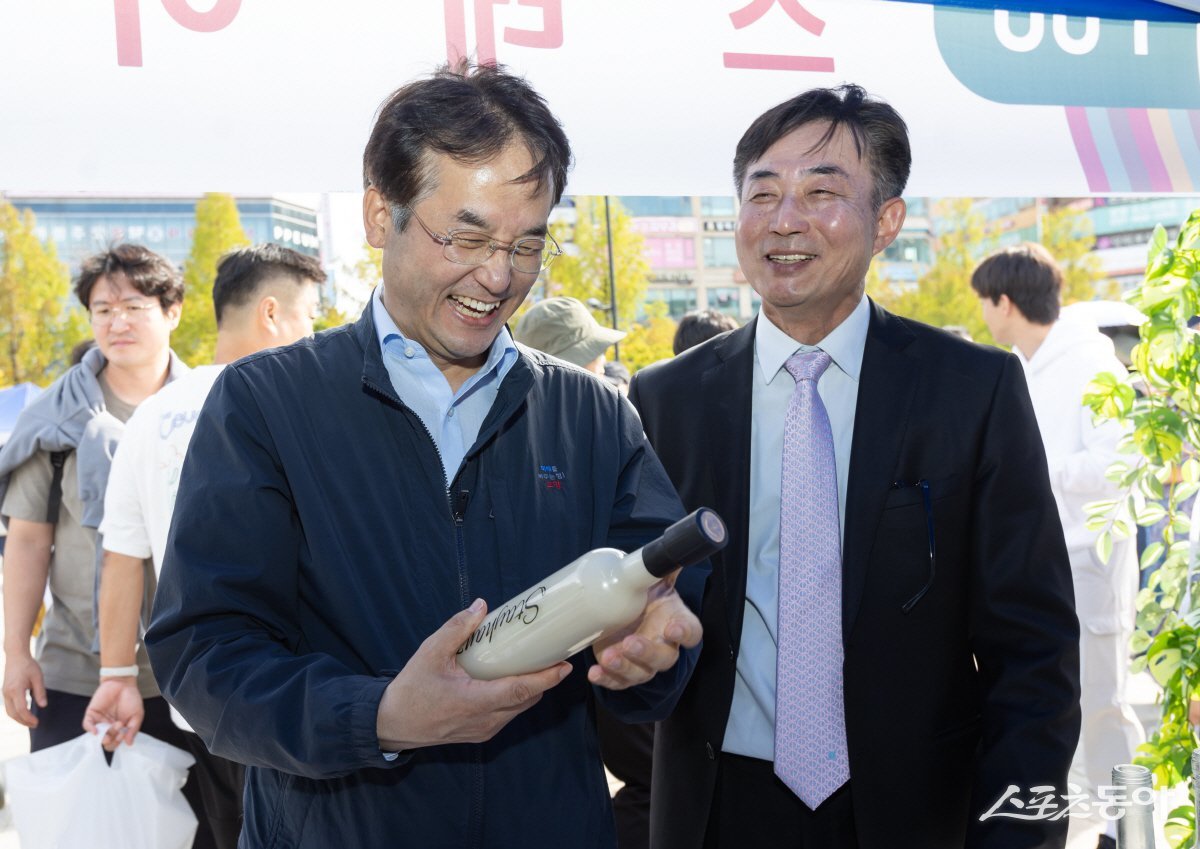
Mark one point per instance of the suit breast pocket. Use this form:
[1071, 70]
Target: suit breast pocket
[919, 491]
[920, 519]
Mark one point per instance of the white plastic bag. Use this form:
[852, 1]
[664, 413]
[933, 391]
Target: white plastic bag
[68, 796]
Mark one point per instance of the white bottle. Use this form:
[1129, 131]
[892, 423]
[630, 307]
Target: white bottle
[594, 595]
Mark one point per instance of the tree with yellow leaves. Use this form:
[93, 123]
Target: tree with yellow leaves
[218, 231]
[582, 272]
[943, 295]
[1069, 235]
[38, 326]
[650, 340]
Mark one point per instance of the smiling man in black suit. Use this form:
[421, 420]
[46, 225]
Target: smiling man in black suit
[890, 639]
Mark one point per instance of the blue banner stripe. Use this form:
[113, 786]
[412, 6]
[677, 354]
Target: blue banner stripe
[1142, 10]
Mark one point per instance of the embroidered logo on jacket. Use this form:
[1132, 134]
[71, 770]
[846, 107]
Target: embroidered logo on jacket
[551, 477]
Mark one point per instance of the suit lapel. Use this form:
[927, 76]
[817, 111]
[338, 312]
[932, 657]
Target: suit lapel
[728, 385]
[889, 375]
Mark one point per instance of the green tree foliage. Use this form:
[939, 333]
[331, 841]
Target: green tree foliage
[1069, 236]
[650, 340]
[943, 295]
[38, 327]
[1160, 472]
[582, 272]
[218, 231]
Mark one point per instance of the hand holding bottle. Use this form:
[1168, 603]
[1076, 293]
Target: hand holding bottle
[433, 701]
[648, 646]
[603, 597]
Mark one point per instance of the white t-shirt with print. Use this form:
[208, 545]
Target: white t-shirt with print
[145, 469]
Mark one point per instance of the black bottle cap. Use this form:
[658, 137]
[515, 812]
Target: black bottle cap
[688, 541]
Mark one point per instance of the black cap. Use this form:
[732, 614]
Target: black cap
[688, 541]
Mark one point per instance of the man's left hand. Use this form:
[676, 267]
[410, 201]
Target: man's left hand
[637, 653]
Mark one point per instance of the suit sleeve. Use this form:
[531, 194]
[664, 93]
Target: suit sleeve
[1024, 631]
[645, 504]
[224, 641]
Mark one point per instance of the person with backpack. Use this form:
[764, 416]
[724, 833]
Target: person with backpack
[53, 471]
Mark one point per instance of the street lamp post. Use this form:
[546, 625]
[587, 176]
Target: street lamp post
[612, 280]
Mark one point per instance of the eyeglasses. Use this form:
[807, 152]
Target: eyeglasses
[104, 315]
[466, 247]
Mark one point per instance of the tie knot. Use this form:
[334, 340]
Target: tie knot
[807, 365]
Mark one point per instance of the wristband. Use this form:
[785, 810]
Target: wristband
[119, 671]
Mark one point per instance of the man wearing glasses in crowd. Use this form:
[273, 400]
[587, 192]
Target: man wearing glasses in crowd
[52, 476]
[348, 503]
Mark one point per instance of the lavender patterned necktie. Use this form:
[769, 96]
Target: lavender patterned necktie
[810, 720]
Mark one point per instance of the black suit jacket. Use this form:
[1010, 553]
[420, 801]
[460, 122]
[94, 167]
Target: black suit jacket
[976, 686]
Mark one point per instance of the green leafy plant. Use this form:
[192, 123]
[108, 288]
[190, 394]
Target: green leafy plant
[1162, 471]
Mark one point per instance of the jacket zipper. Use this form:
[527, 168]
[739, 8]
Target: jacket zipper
[458, 507]
[457, 503]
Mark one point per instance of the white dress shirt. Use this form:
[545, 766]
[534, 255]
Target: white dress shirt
[751, 727]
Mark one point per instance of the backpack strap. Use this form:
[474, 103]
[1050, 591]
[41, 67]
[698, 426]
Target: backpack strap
[54, 501]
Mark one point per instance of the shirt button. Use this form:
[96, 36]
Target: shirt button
[450, 412]
[410, 353]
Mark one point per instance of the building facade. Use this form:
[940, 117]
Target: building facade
[81, 225]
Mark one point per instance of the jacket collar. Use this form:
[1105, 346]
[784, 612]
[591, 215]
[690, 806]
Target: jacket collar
[374, 374]
[375, 378]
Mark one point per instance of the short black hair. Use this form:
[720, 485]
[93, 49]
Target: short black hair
[240, 272]
[880, 134]
[469, 113]
[699, 326]
[1028, 275]
[152, 275]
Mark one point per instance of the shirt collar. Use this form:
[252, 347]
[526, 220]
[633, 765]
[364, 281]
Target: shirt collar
[844, 344]
[501, 355]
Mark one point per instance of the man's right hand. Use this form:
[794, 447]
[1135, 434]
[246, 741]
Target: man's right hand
[22, 679]
[118, 704]
[434, 701]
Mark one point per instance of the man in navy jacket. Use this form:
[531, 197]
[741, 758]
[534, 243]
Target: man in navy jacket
[345, 500]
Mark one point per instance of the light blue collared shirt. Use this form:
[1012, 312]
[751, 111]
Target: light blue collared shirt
[751, 727]
[453, 419]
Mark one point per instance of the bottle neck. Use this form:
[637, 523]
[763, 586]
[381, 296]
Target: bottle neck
[634, 571]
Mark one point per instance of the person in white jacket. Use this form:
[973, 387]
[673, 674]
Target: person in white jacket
[1019, 289]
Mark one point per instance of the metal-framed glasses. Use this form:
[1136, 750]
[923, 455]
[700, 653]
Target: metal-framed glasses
[131, 312]
[466, 247]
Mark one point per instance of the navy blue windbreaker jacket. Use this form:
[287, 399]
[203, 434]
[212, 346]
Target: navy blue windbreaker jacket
[314, 546]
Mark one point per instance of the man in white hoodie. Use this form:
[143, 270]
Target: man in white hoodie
[1019, 289]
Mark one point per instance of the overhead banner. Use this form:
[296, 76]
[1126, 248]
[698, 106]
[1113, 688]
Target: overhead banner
[270, 96]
